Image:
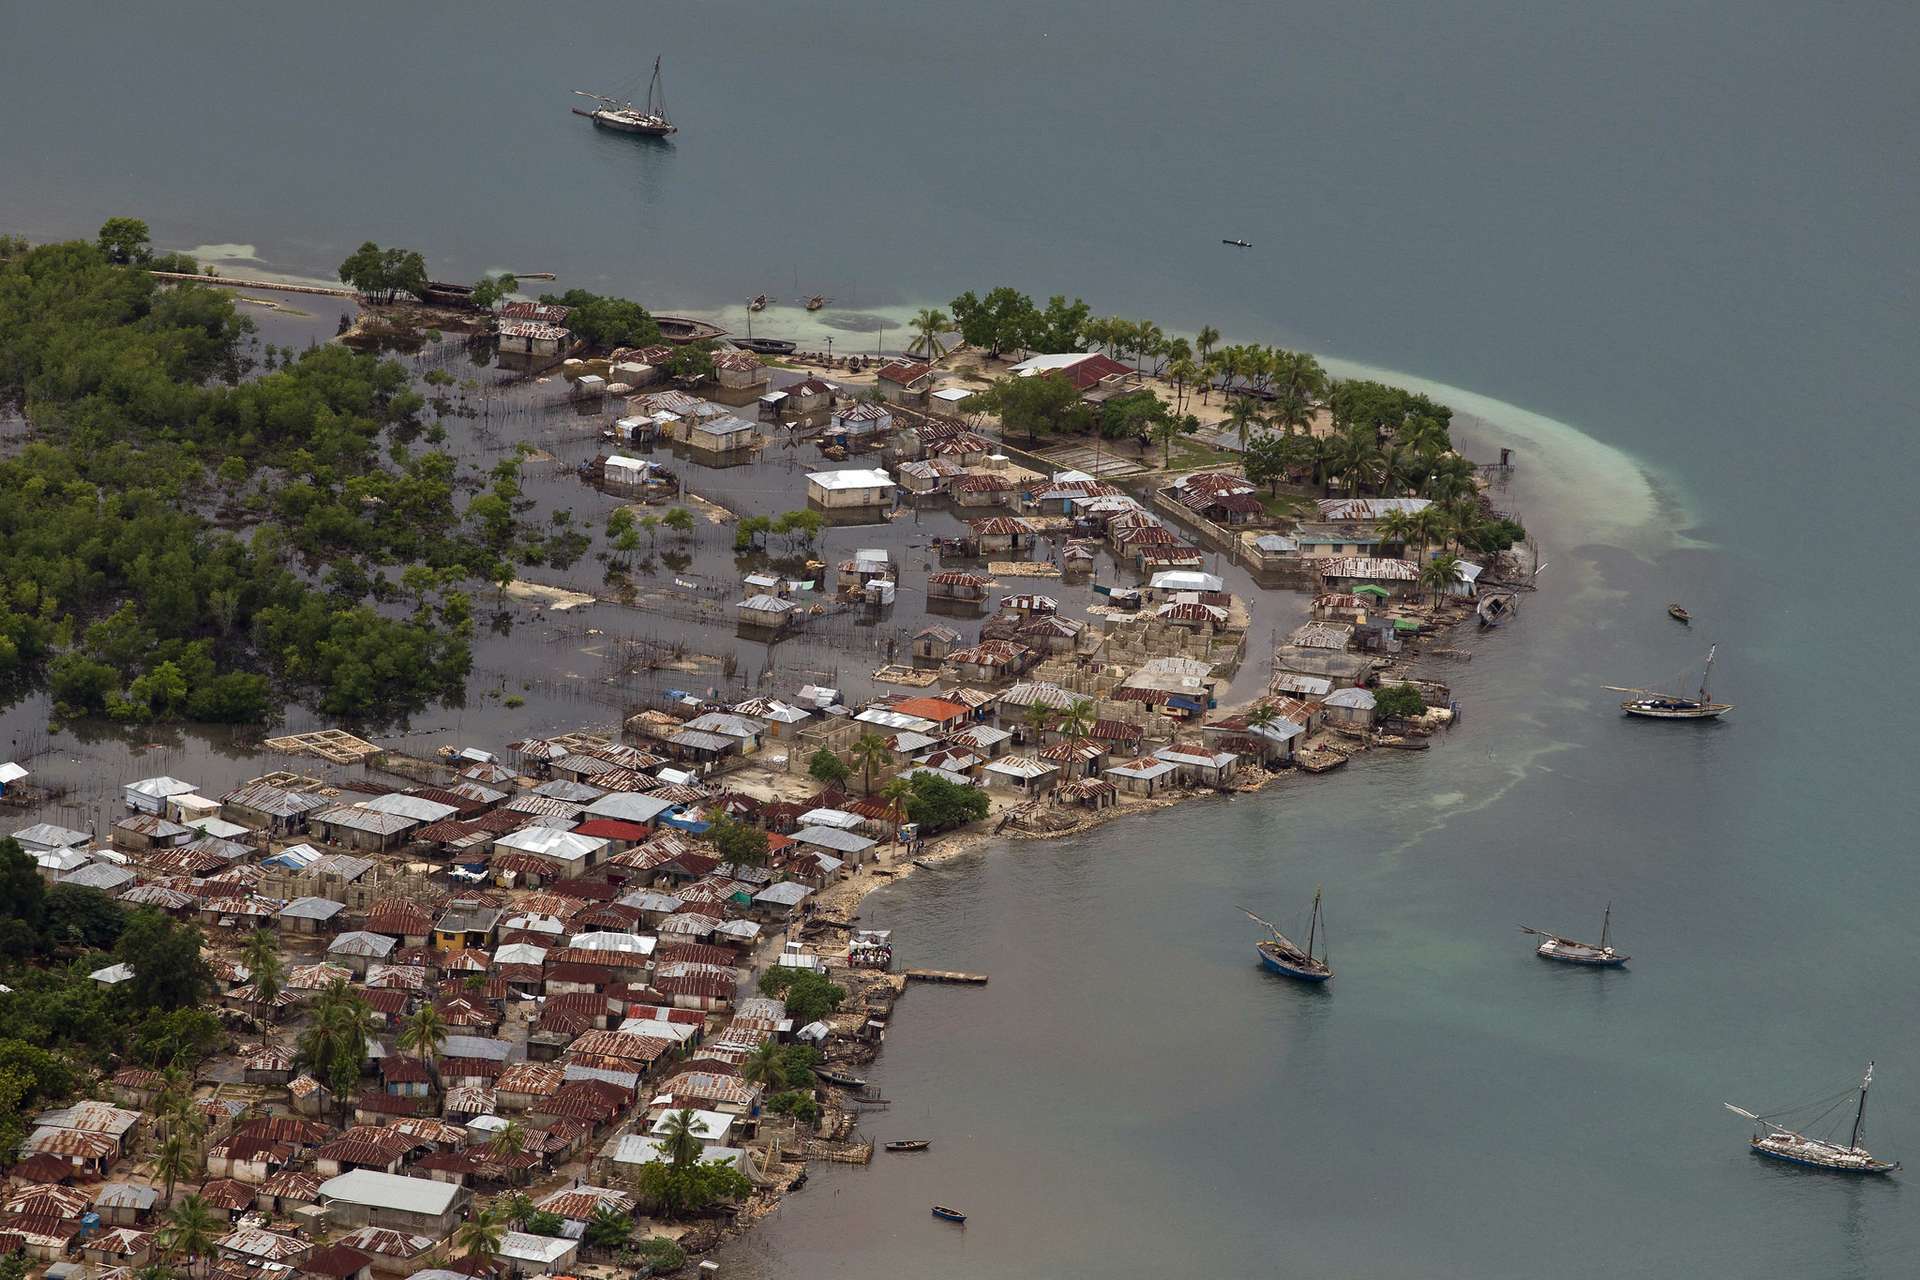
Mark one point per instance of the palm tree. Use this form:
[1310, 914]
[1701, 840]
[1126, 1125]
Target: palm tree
[870, 752]
[517, 1208]
[1397, 527]
[1205, 341]
[1261, 716]
[481, 1235]
[765, 1066]
[334, 1045]
[1243, 413]
[1214, 365]
[178, 1160]
[1077, 719]
[929, 325]
[191, 1229]
[424, 1032]
[1148, 340]
[508, 1139]
[680, 1139]
[261, 956]
[1164, 432]
[608, 1229]
[1038, 717]
[1357, 460]
[1430, 527]
[1440, 574]
[896, 793]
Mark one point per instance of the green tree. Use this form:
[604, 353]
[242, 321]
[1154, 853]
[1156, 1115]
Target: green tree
[738, 843]
[929, 325]
[168, 971]
[1037, 717]
[1003, 320]
[1077, 718]
[490, 291]
[802, 1106]
[692, 362]
[678, 519]
[1060, 326]
[126, 240]
[809, 996]
[870, 752]
[1036, 405]
[177, 1161]
[1137, 413]
[1243, 413]
[823, 767]
[82, 919]
[939, 805]
[261, 955]
[479, 1238]
[607, 322]
[508, 1140]
[1206, 340]
[25, 893]
[542, 1222]
[1398, 702]
[608, 1229]
[192, 1230]
[1440, 574]
[424, 1033]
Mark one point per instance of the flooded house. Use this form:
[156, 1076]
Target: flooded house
[1321, 541]
[957, 586]
[991, 661]
[1143, 776]
[985, 489]
[531, 338]
[1350, 708]
[1348, 573]
[851, 490]
[764, 613]
[727, 440]
[741, 373]
[929, 478]
[932, 644]
[808, 398]
[1003, 534]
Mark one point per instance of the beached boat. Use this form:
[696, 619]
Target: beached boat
[841, 1078]
[767, 346]
[1679, 613]
[1494, 609]
[1279, 954]
[910, 1144]
[1675, 706]
[623, 117]
[951, 1215]
[681, 330]
[1569, 951]
[1776, 1141]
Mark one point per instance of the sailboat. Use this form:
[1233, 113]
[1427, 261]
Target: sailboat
[1777, 1142]
[1675, 706]
[1280, 955]
[623, 117]
[1568, 951]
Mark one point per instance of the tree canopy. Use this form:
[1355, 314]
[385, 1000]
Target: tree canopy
[384, 274]
[1037, 406]
[606, 322]
[938, 805]
[1398, 701]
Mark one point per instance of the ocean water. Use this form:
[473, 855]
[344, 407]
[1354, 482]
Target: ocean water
[1664, 253]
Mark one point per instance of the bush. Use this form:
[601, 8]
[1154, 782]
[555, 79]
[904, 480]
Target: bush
[803, 1107]
[1398, 702]
[938, 805]
[827, 768]
[662, 1254]
[809, 996]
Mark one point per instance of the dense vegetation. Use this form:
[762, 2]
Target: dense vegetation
[606, 322]
[117, 582]
[57, 1022]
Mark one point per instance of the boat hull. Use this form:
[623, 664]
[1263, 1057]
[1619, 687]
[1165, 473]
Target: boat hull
[1655, 711]
[1287, 969]
[1861, 1168]
[1584, 961]
[643, 130]
[948, 1215]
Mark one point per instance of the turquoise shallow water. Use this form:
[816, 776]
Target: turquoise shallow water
[1684, 234]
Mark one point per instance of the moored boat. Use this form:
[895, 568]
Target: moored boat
[758, 302]
[1238, 244]
[1494, 609]
[1280, 954]
[681, 330]
[623, 117]
[841, 1078]
[910, 1144]
[951, 1215]
[1777, 1142]
[767, 346]
[1679, 613]
[1570, 951]
[1655, 705]
[817, 301]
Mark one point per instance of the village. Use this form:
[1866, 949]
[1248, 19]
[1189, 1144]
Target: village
[605, 988]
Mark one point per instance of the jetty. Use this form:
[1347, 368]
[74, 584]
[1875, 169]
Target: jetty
[946, 975]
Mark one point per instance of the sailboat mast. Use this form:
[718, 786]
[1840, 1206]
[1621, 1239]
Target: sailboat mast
[1860, 1116]
[1706, 673]
[1606, 922]
[1313, 925]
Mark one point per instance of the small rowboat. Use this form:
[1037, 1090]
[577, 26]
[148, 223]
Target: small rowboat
[844, 1079]
[758, 302]
[951, 1215]
[910, 1144]
[1679, 614]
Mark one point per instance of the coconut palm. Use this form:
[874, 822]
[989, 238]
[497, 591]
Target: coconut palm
[608, 1229]
[517, 1208]
[424, 1032]
[1261, 716]
[680, 1139]
[1397, 527]
[177, 1160]
[765, 1066]
[1299, 373]
[929, 326]
[1164, 432]
[1243, 414]
[261, 956]
[1038, 717]
[480, 1236]
[1206, 340]
[1440, 574]
[896, 793]
[1077, 719]
[1357, 460]
[1148, 340]
[508, 1139]
[1214, 365]
[870, 752]
[191, 1230]
[1429, 527]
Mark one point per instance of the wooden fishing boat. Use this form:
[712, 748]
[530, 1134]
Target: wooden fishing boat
[1655, 705]
[1279, 954]
[1494, 609]
[1777, 1142]
[767, 346]
[1238, 244]
[951, 1215]
[1679, 613]
[817, 301]
[910, 1144]
[1569, 951]
[758, 302]
[681, 330]
[841, 1078]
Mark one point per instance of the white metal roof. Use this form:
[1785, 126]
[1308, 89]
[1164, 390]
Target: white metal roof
[832, 838]
[1184, 580]
[160, 788]
[852, 478]
[391, 1191]
[1359, 699]
[418, 808]
[627, 806]
[550, 842]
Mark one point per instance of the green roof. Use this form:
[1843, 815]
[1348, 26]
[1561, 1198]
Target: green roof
[1371, 590]
[1406, 624]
